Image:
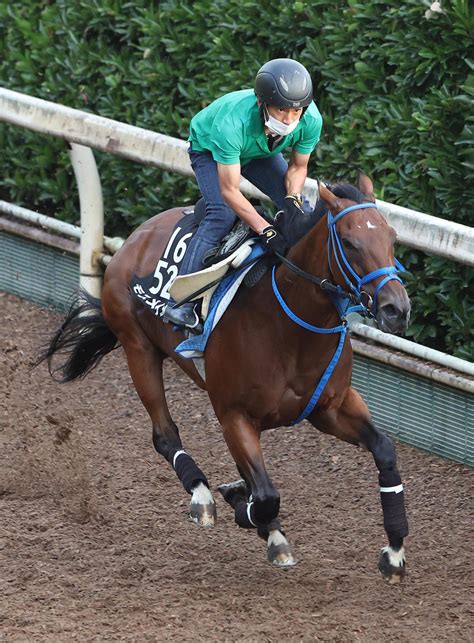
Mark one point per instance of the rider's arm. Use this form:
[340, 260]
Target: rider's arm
[229, 179]
[297, 172]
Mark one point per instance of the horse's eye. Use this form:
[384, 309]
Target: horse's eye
[348, 245]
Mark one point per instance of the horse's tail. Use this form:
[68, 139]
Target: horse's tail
[83, 337]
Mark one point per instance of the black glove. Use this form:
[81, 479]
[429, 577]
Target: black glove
[290, 217]
[293, 222]
[293, 205]
[273, 240]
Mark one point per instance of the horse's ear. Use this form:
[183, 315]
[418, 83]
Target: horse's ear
[328, 197]
[366, 187]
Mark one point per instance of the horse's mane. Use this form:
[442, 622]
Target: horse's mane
[296, 228]
[341, 190]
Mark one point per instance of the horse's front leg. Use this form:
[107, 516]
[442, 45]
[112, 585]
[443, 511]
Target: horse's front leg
[352, 423]
[255, 500]
[392, 564]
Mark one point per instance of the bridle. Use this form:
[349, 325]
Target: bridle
[355, 293]
[335, 249]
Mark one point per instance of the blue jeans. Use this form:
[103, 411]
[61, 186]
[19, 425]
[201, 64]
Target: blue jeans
[267, 174]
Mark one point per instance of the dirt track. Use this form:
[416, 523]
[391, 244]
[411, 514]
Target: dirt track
[95, 544]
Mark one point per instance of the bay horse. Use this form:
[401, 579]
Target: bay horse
[273, 345]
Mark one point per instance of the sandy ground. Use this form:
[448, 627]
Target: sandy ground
[95, 543]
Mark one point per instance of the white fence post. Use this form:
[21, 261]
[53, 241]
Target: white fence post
[92, 217]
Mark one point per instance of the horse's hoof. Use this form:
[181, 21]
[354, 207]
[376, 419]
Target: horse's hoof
[278, 550]
[203, 515]
[283, 561]
[392, 565]
[202, 510]
[233, 491]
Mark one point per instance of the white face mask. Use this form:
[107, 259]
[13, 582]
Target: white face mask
[277, 127]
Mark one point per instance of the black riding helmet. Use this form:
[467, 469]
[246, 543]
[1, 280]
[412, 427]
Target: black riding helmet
[284, 82]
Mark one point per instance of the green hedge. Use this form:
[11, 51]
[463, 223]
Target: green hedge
[394, 85]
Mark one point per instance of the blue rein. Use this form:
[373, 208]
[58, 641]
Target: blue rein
[334, 244]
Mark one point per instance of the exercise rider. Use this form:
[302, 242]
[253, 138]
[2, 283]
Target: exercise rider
[244, 133]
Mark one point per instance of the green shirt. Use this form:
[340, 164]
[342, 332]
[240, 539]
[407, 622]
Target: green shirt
[231, 128]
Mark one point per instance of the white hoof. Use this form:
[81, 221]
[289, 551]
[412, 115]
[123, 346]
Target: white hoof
[202, 509]
[278, 550]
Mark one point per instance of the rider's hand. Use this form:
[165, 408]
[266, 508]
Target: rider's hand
[273, 240]
[293, 222]
[291, 216]
[293, 204]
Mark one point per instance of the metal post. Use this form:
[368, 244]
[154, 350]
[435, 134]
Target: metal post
[92, 217]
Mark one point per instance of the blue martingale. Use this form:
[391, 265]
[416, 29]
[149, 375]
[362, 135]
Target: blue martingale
[342, 329]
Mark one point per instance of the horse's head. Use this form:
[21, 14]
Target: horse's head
[360, 253]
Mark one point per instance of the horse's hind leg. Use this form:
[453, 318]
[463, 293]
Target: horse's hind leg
[255, 500]
[145, 363]
[352, 424]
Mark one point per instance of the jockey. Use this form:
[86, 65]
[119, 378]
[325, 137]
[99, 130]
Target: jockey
[244, 133]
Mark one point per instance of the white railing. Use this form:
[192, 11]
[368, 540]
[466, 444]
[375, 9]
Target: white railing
[415, 229]
[83, 130]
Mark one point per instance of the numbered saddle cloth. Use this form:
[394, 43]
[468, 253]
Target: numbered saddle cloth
[156, 289]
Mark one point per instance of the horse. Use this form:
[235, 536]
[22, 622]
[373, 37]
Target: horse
[276, 342]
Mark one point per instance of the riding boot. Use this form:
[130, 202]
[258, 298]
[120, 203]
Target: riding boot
[184, 315]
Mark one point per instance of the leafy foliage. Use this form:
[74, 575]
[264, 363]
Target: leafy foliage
[393, 81]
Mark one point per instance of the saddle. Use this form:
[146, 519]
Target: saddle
[155, 290]
[239, 234]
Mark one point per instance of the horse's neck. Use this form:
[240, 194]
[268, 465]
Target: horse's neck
[303, 297]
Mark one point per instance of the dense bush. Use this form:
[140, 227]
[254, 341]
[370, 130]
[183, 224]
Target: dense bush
[393, 80]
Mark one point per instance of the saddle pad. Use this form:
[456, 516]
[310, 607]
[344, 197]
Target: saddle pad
[185, 285]
[195, 346]
[156, 289]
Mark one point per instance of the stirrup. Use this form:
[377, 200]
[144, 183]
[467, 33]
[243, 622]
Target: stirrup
[239, 233]
[184, 315]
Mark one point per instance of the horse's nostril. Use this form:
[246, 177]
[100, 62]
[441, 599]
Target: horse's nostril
[390, 311]
[393, 319]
